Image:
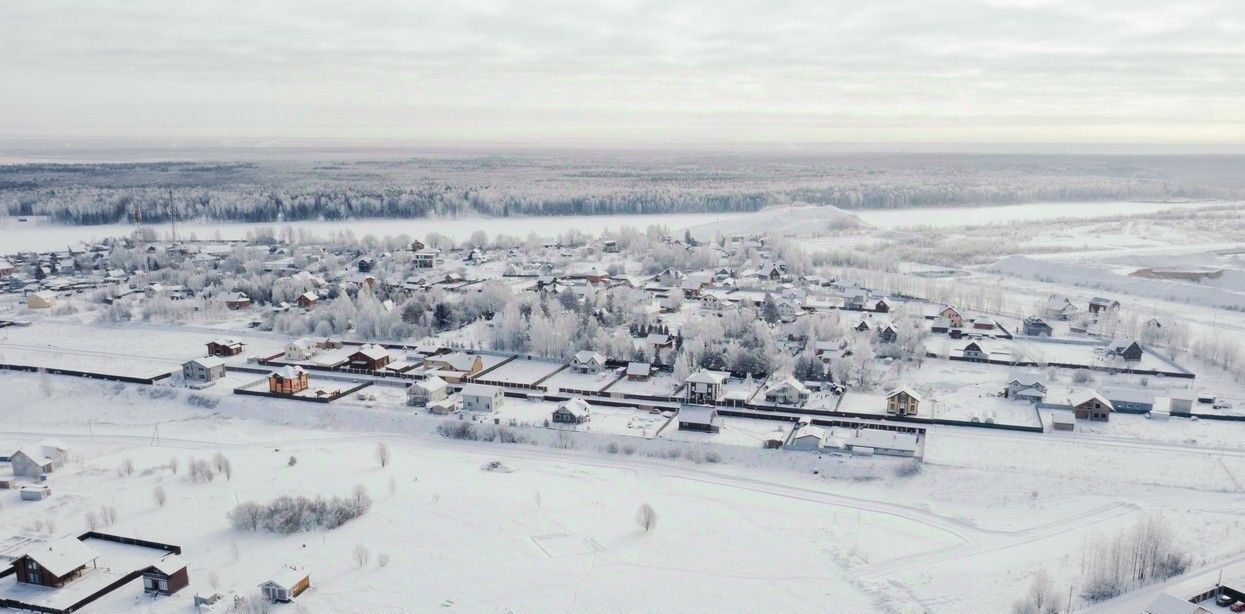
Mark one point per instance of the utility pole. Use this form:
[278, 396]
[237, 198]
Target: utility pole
[1069, 599]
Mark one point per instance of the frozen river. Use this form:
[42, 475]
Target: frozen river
[34, 235]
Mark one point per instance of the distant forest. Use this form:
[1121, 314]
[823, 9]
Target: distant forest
[601, 184]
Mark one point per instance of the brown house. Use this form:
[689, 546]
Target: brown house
[287, 380]
[166, 576]
[1092, 406]
[369, 357]
[225, 347]
[237, 301]
[307, 300]
[54, 564]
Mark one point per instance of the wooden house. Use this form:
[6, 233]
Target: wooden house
[572, 411]
[288, 380]
[237, 301]
[1060, 307]
[301, 349]
[639, 371]
[903, 402]
[1090, 405]
[307, 300]
[286, 584]
[166, 576]
[699, 418]
[54, 563]
[369, 357]
[225, 347]
[1129, 350]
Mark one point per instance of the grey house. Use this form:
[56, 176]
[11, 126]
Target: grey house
[1129, 400]
[479, 397]
[37, 461]
[205, 370]
[1037, 327]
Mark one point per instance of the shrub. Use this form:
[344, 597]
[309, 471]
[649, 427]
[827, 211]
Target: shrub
[287, 514]
[908, 468]
[204, 401]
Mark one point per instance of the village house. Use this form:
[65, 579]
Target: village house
[456, 366]
[237, 301]
[479, 397]
[704, 387]
[204, 370]
[1034, 326]
[6, 268]
[1059, 307]
[38, 460]
[700, 418]
[974, 351]
[225, 347]
[166, 576]
[662, 346]
[54, 563]
[788, 391]
[1128, 349]
[903, 402]
[572, 411]
[365, 264]
[303, 348]
[869, 441]
[610, 246]
[427, 391]
[1029, 387]
[427, 258]
[1129, 400]
[586, 361]
[952, 315]
[887, 333]
[370, 357]
[43, 299]
[286, 584]
[1099, 305]
[288, 380]
[1089, 405]
[807, 438]
[639, 371]
[307, 300]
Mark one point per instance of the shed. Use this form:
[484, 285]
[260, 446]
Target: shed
[1062, 421]
[807, 438]
[702, 418]
[572, 411]
[207, 369]
[639, 371]
[36, 492]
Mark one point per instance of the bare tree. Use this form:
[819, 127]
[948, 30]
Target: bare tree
[92, 521]
[159, 495]
[214, 581]
[382, 560]
[361, 555]
[646, 518]
[382, 454]
[173, 465]
[126, 468]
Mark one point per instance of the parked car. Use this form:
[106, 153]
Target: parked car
[1238, 606]
[1223, 600]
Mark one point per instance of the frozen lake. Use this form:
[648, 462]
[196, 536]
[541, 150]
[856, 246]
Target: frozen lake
[35, 235]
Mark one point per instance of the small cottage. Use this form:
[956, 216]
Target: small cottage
[787, 391]
[639, 371]
[807, 438]
[286, 584]
[572, 411]
[54, 563]
[429, 390]
[166, 576]
[586, 361]
[1089, 405]
[370, 357]
[700, 418]
[225, 347]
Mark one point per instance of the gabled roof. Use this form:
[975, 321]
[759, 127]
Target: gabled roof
[375, 352]
[789, 382]
[288, 576]
[904, 389]
[1082, 397]
[431, 383]
[479, 390]
[578, 407]
[698, 414]
[639, 368]
[169, 564]
[584, 357]
[62, 556]
[705, 376]
[208, 362]
[289, 372]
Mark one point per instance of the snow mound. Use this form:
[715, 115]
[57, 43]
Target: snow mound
[795, 220]
[496, 467]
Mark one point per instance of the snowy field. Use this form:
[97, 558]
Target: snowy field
[554, 531]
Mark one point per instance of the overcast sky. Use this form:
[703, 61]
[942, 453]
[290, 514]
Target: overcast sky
[662, 71]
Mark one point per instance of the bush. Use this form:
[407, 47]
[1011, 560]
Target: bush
[287, 514]
[204, 401]
[646, 518]
[908, 469]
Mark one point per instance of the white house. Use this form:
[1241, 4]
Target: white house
[301, 349]
[788, 391]
[203, 370]
[807, 438]
[479, 397]
[37, 461]
[704, 387]
[427, 258]
[426, 391]
[586, 361]
[286, 584]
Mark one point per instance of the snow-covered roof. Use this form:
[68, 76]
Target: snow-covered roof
[810, 431]
[479, 390]
[584, 357]
[578, 407]
[208, 362]
[1128, 395]
[375, 352]
[639, 368]
[698, 414]
[169, 564]
[904, 389]
[877, 438]
[63, 555]
[705, 376]
[289, 372]
[1167, 603]
[288, 576]
[431, 383]
[791, 382]
[33, 453]
[1080, 397]
[458, 360]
